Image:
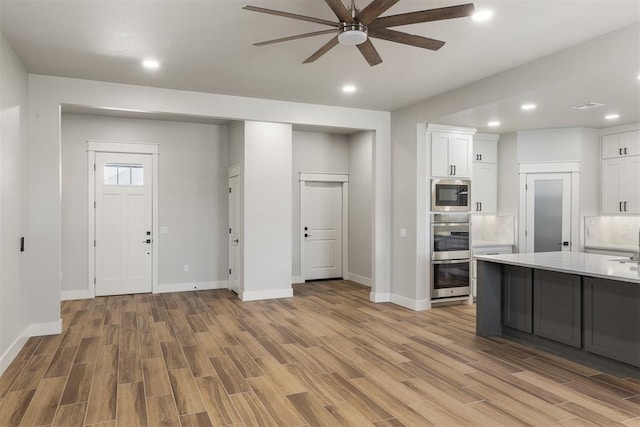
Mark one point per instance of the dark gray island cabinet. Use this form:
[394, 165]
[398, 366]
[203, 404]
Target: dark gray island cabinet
[585, 307]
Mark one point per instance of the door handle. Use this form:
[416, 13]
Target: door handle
[307, 235]
[625, 206]
[450, 170]
[620, 207]
[235, 241]
[480, 156]
[620, 151]
[146, 241]
[480, 206]
[565, 243]
[625, 150]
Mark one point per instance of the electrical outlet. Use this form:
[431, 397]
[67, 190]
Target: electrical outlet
[186, 267]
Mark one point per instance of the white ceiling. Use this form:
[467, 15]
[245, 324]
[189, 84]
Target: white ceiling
[207, 46]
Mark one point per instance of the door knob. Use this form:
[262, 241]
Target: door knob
[235, 241]
[307, 235]
[146, 241]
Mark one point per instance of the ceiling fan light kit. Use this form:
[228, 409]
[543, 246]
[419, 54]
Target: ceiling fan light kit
[352, 34]
[356, 27]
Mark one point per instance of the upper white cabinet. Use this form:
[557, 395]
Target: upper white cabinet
[621, 144]
[621, 173]
[451, 151]
[484, 181]
[485, 150]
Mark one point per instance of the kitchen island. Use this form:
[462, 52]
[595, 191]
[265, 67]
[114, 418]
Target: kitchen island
[585, 307]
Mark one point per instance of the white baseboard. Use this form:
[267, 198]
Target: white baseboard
[379, 297]
[33, 330]
[297, 279]
[261, 295]
[193, 286]
[358, 279]
[12, 352]
[412, 304]
[78, 294]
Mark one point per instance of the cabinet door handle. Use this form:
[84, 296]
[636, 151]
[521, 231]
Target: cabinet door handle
[620, 207]
[454, 169]
[480, 156]
[480, 206]
[621, 151]
[450, 170]
[625, 150]
[625, 206]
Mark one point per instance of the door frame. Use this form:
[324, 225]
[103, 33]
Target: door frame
[525, 169]
[326, 177]
[98, 146]
[234, 171]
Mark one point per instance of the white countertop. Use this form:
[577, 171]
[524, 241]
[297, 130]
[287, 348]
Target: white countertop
[593, 265]
[621, 248]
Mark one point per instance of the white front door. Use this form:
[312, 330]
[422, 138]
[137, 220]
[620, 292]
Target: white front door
[234, 237]
[123, 221]
[548, 212]
[322, 230]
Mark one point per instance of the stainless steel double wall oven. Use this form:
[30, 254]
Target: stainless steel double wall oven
[450, 254]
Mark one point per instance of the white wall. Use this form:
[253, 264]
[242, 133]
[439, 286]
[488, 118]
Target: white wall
[47, 93]
[192, 198]
[236, 158]
[15, 312]
[313, 152]
[267, 211]
[360, 202]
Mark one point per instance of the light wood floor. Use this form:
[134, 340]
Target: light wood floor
[325, 357]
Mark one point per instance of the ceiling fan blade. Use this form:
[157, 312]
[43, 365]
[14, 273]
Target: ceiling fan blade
[370, 53]
[324, 49]
[439, 14]
[299, 36]
[291, 15]
[373, 10]
[343, 14]
[404, 38]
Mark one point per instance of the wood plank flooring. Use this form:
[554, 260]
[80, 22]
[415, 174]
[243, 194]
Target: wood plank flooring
[325, 357]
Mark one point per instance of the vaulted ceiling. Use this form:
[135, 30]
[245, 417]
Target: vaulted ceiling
[207, 46]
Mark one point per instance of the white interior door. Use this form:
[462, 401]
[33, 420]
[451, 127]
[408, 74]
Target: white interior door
[123, 223]
[548, 212]
[234, 237]
[322, 230]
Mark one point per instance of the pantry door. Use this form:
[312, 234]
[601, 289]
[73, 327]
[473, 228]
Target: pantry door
[548, 211]
[123, 223]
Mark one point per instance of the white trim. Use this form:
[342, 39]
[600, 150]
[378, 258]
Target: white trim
[411, 304]
[262, 295]
[492, 137]
[450, 129]
[12, 352]
[77, 294]
[123, 147]
[39, 329]
[620, 129]
[319, 177]
[33, 330]
[379, 297]
[324, 177]
[358, 279]
[153, 149]
[297, 279]
[548, 167]
[190, 286]
[234, 171]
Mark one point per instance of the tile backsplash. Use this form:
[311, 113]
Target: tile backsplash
[611, 230]
[493, 228]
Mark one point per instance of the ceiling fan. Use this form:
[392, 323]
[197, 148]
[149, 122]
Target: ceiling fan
[356, 27]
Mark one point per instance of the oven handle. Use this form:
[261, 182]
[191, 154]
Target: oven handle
[452, 261]
[450, 224]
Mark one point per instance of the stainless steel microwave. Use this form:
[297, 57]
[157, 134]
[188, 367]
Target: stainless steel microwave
[450, 195]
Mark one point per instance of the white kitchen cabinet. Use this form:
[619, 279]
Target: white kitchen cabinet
[451, 154]
[620, 188]
[621, 144]
[484, 188]
[485, 150]
[484, 176]
[484, 250]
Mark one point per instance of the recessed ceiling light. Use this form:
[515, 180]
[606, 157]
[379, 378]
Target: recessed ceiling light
[493, 124]
[482, 15]
[612, 116]
[150, 64]
[528, 106]
[348, 88]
